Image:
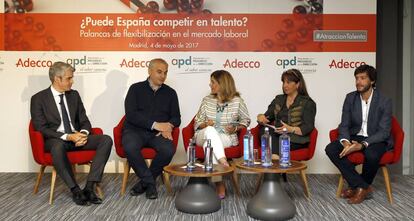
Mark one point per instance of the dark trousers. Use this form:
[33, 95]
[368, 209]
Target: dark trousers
[59, 148]
[275, 141]
[372, 153]
[134, 140]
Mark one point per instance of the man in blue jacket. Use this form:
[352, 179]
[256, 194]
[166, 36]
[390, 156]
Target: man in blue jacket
[152, 111]
[365, 126]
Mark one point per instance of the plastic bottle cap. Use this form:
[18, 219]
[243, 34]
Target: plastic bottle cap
[285, 129]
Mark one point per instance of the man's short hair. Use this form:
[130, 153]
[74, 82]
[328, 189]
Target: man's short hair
[371, 72]
[157, 60]
[58, 69]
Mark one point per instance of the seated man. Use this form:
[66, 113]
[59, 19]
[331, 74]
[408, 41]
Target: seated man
[152, 111]
[365, 126]
[58, 113]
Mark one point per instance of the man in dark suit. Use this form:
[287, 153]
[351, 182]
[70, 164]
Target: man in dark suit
[152, 111]
[365, 126]
[58, 113]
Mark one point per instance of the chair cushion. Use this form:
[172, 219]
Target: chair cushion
[300, 154]
[75, 157]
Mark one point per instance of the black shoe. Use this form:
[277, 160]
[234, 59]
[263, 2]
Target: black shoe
[138, 189]
[79, 198]
[91, 196]
[284, 177]
[151, 192]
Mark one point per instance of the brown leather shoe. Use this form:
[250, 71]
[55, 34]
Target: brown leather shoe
[347, 193]
[360, 195]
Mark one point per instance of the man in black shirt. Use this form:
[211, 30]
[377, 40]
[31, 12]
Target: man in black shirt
[152, 111]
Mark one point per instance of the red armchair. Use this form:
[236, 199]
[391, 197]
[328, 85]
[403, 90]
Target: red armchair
[232, 152]
[147, 152]
[390, 157]
[45, 158]
[303, 154]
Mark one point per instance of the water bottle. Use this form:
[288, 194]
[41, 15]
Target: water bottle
[284, 149]
[248, 148]
[208, 157]
[266, 148]
[191, 155]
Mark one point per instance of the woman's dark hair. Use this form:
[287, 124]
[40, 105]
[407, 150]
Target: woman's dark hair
[297, 77]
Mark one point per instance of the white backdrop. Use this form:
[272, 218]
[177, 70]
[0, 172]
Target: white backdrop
[103, 93]
[103, 82]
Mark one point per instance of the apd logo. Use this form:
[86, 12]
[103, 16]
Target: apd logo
[306, 65]
[181, 62]
[192, 65]
[88, 64]
[286, 62]
[76, 61]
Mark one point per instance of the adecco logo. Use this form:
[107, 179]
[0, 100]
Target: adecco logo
[345, 64]
[132, 63]
[286, 62]
[32, 63]
[241, 64]
[181, 62]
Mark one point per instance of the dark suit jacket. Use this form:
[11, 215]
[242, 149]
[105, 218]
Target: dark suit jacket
[45, 115]
[379, 118]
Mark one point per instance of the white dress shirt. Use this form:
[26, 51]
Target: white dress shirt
[365, 111]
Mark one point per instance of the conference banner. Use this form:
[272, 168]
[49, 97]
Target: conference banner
[111, 42]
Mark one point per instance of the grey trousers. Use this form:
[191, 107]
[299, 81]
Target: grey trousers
[59, 148]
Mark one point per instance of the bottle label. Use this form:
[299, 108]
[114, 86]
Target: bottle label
[263, 149]
[284, 151]
[246, 149]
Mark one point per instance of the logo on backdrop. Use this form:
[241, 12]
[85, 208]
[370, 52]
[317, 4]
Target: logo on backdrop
[192, 65]
[33, 63]
[133, 63]
[84, 64]
[342, 64]
[235, 63]
[306, 65]
[89, 64]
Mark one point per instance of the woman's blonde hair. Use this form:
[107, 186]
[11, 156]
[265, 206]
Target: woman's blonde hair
[227, 86]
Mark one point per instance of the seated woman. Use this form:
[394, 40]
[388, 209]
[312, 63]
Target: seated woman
[221, 115]
[293, 110]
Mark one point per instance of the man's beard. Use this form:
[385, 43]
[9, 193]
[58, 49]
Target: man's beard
[365, 88]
